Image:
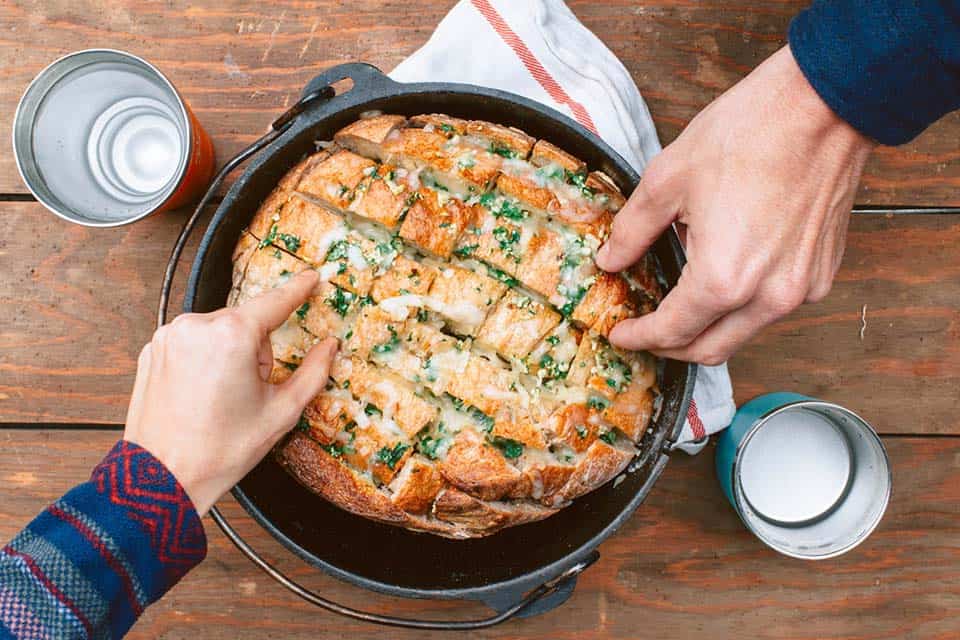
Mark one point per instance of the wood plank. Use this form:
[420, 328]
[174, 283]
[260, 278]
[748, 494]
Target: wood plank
[240, 66]
[682, 566]
[77, 304]
[76, 307]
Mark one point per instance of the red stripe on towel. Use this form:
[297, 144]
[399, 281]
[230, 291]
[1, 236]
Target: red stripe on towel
[537, 70]
[696, 424]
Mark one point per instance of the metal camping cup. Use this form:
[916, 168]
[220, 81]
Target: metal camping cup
[809, 478]
[102, 138]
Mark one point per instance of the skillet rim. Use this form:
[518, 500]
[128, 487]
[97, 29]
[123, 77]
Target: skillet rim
[370, 85]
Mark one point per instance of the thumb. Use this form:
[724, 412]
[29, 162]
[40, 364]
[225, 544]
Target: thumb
[309, 379]
[682, 316]
[637, 225]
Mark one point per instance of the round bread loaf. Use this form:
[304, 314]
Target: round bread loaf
[474, 388]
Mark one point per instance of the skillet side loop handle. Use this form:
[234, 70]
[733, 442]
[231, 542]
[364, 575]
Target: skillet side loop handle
[365, 77]
[279, 126]
[527, 603]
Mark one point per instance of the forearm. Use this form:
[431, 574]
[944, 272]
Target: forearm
[890, 68]
[90, 564]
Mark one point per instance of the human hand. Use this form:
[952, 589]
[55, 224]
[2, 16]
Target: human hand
[201, 403]
[761, 183]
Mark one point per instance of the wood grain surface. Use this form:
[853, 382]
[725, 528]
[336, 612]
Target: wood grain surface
[240, 63]
[682, 567]
[77, 304]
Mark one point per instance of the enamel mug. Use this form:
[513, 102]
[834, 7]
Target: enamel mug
[809, 478]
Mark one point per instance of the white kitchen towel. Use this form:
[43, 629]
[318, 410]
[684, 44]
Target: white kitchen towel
[538, 49]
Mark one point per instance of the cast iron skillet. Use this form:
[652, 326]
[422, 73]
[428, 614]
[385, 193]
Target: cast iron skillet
[520, 571]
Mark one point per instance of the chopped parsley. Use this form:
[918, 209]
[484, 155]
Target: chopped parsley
[337, 251]
[506, 238]
[579, 180]
[485, 421]
[509, 447]
[582, 432]
[270, 237]
[511, 211]
[422, 315]
[487, 199]
[552, 171]
[608, 436]
[617, 375]
[572, 261]
[371, 410]
[553, 340]
[302, 311]
[341, 300]
[337, 449]
[391, 457]
[573, 300]
[447, 128]
[428, 445]
[292, 241]
[598, 403]
[465, 251]
[293, 366]
[431, 181]
[552, 368]
[501, 149]
[390, 344]
[303, 424]
[503, 277]
[428, 367]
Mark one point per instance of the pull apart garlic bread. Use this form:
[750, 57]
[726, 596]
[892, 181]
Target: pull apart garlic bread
[474, 388]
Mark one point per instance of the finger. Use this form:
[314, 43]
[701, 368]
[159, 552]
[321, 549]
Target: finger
[269, 310]
[724, 337]
[309, 378]
[637, 225]
[683, 315]
[139, 386]
[265, 357]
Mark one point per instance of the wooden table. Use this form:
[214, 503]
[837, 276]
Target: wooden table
[77, 304]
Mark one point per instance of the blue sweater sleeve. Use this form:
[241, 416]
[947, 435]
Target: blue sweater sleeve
[90, 564]
[888, 67]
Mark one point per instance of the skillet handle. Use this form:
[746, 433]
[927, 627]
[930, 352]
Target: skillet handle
[536, 601]
[364, 76]
[541, 599]
[277, 128]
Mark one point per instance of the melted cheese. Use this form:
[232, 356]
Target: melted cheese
[328, 271]
[355, 257]
[462, 312]
[398, 307]
[326, 240]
